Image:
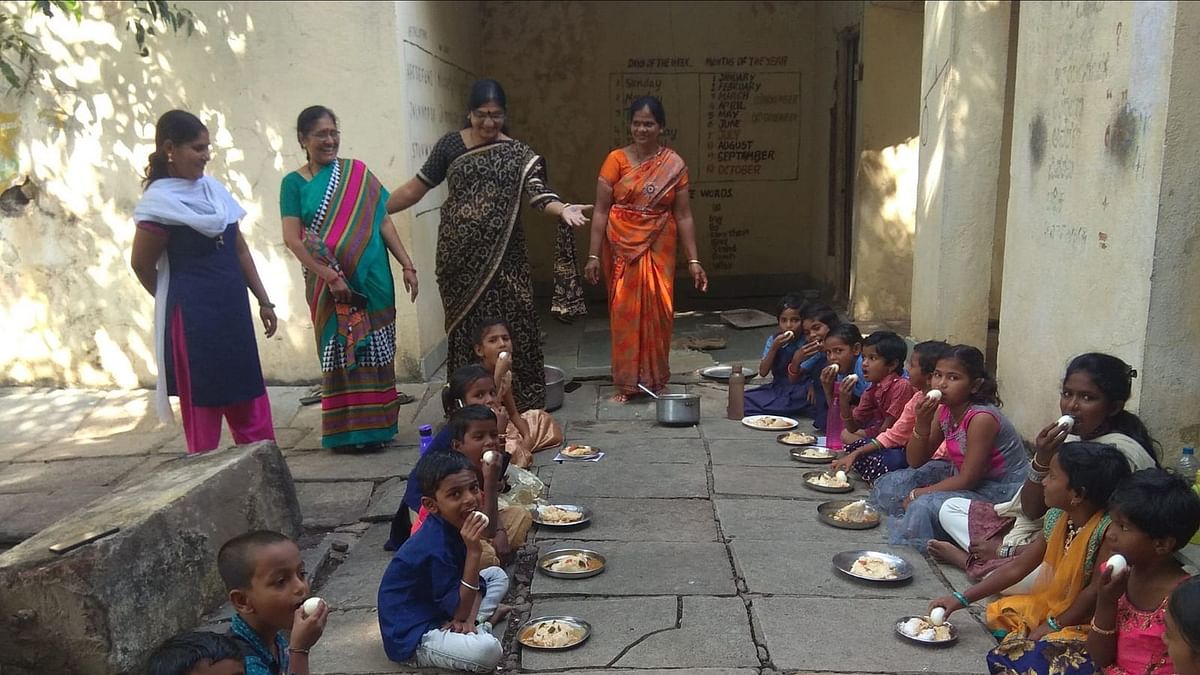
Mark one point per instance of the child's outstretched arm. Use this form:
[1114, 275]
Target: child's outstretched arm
[1003, 577]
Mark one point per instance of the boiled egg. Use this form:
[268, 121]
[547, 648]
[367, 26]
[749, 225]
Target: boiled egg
[834, 368]
[311, 606]
[788, 335]
[934, 395]
[852, 378]
[1117, 564]
[491, 457]
[938, 615]
[483, 516]
[841, 476]
[503, 356]
[1066, 421]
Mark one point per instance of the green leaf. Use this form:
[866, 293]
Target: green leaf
[11, 75]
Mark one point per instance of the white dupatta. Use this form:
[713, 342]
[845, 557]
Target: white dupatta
[203, 205]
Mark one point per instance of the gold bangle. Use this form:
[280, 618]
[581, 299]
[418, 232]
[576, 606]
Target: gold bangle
[693, 261]
[593, 257]
[1103, 631]
[1040, 468]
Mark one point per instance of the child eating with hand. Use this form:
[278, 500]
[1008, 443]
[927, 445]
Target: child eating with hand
[267, 585]
[883, 402]
[816, 321]
[1154, 514]
[784, 395]
[433, 594]
[842, 378]
[526, 431]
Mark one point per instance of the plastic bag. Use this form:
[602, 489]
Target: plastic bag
[524, 487]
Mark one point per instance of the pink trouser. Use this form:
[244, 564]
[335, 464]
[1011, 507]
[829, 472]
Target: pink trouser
[249, 421]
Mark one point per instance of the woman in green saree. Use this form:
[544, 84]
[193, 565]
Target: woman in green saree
[482, 260]
[335, 224]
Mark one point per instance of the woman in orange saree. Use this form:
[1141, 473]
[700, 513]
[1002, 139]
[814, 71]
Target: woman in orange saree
[642, 212]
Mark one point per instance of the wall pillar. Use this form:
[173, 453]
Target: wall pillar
[964, 69]
[1101, 243]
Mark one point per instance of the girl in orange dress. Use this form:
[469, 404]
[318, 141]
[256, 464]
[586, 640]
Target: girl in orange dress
[641, 211]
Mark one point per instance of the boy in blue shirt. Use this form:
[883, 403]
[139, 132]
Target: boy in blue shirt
[267, 585]
[432, 591]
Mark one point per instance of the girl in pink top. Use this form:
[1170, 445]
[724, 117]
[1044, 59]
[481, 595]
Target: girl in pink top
[1154, 514]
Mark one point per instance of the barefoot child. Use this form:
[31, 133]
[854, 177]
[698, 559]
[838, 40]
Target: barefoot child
[784, 396]
[1183, 627]
[528, 431]
[1154, 514]
[1050, 623]
[433, 594]
[985, 457]
[886, 451]
[197, 653]
[267, 585]
[843, 349]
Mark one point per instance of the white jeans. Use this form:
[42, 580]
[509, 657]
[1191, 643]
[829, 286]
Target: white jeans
[953, 517]
[478, 652]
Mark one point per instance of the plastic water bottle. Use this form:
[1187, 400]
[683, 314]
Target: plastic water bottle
[426, 432]
[1186, 465]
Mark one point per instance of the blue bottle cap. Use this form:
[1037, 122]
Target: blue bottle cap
[425, 428]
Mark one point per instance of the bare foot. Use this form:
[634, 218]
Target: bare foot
[945, 552]
[498, 615]
[620, 398]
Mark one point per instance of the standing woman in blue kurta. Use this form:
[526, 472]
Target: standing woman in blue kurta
[189, 255]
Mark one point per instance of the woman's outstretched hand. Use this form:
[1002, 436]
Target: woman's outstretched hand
[577, 215]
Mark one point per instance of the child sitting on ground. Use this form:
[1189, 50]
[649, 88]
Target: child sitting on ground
[1050, 623]
[197, 653]
[985, 457]
[528, 431]
[267, 586]
[1154, 513]
[816, 321]
[473, 429]
[784, 396]
[843, 349]
[434, 592]
[871, 451]
[1183, 627]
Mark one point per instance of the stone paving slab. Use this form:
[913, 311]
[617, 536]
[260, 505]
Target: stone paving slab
[806, 568]
[616, 624]
[24, 515]
[625, 520]
[355, 584]
[669, 671]
[12, 450]
[758, 481]
[857, 636]
[784, 520]
[351, 645]
[624, 429]
[765, 452]
[712, 632]
[51, 476]
[629, 480]
[384, 500]
[54, 413]
[578, 405]
[326, 465]
[694, 569]
[117, 445]
[327, 505]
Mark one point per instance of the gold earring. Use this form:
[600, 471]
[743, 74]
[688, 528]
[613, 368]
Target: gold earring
[170, 159]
